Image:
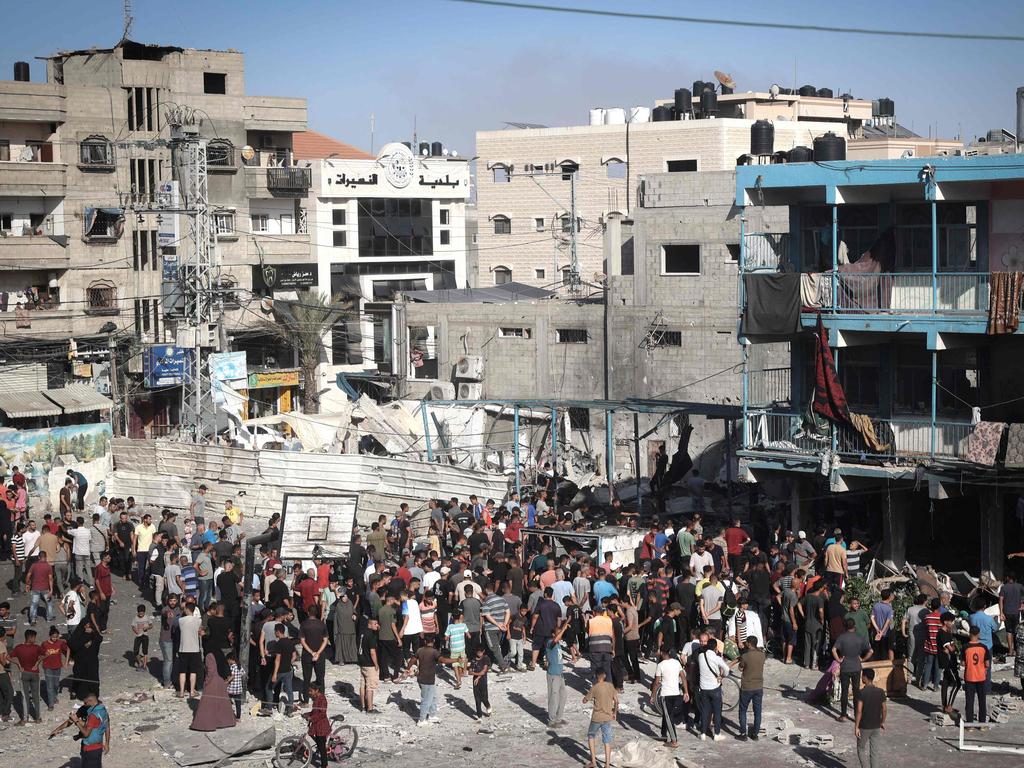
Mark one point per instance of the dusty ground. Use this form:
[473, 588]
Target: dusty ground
[514, 735]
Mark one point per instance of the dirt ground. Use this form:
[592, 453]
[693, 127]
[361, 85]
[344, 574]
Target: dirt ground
[515, 734]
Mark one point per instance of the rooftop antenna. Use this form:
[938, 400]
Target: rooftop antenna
[128, 19]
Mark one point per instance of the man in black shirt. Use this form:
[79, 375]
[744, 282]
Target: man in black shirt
[281, 669]
[121, 536]
[278, 594]
[217, 640]
[223, 547]
[357, 559]
[227, 583]
[369, 666]
[313, 639]
[477, 540]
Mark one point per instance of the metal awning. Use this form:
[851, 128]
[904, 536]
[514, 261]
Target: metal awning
[27, 405]
[79, 398]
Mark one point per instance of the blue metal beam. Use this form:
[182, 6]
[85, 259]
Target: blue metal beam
[515, 446]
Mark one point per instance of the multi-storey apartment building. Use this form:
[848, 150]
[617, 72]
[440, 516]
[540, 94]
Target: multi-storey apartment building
[84, 151]
[899, 416]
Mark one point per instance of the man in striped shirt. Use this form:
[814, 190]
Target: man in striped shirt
[932, 624]
[18, 550]
[496, 617]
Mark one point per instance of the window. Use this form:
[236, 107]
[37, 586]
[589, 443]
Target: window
[538, 224]
[96, 150]
[338, 217]
[579, 418]
[540, 274]
[445, 216]
[103, 223]
[259, 222]
[502, 275]
[42, 151]
[395, 228]
[680, 259]
[669, 339]
[5, 149]
[566, 224]
[616, 169]
[215, 82]
[347, 343]
[220, 153]
[446, 237]
[571, 335]
[143, 175]
[423, 352]
[144, 250]
[6, 222]
[566, 275]
[502, 225]
[501, 174]
[143, 109]
[859, 374]
[340, 239]
[101, 298]
[858, 229]
[224, 223]
[680, 166]
[513, 333]
[568, 169]
[734, 251]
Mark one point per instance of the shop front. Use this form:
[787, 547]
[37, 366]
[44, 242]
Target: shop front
[272, 392]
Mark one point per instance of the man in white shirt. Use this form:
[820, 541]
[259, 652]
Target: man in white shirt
[745, 623]
[711, 669]
[699, 559]
[189, 648]
[670, 683]
[31, 539]
[81, 538]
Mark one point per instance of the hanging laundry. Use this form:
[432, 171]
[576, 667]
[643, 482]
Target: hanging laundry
[1015, 447]
[983, 443]
[866, 429]
[829, 397]
[867, 282]
[975, 415]
[773, 304]
[811, 284]
[1005, 295]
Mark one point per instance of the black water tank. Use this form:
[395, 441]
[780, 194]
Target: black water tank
[407, 144]
[829, 147]
[762, 138]
[684, 102]
[698, 87]
[779, 157]
[21, 71]
[661, 114]
[886, 108]
[726, 90]
[825, 93]
[709, 101]
[786, 91]
[436, 149]
[800, 155]
[807, 90]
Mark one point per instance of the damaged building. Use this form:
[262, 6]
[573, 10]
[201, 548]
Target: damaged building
[897, 412]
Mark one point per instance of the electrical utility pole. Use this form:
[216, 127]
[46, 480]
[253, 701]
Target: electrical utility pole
[200, 331]
[574, 281]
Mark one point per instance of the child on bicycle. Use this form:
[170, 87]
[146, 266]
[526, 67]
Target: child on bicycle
[319, 726]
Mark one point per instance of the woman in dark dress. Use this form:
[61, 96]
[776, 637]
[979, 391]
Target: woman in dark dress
[84, 643]
[345, 651]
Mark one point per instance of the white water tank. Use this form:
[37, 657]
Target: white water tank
[639, 114]
[597, 116]
[615, 116]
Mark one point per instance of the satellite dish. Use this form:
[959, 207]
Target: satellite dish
[248, 153]
[26, 155]
[724, 79]
[774, 90]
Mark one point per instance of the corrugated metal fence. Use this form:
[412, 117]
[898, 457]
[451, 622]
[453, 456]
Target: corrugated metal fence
[163, 473]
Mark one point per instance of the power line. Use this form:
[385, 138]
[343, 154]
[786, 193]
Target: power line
[744, 23]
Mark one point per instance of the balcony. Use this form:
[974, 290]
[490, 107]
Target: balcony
[905, 293]
[31, 102]
[33, 178]
[902, 439]
[38, 323]
[263, 182]
[33, 252]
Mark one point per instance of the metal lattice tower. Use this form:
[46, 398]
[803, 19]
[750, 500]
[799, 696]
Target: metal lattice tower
[196, 275]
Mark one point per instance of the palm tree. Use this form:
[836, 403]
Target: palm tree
[302, 325]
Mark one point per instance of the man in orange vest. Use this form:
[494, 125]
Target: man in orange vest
[977, 660]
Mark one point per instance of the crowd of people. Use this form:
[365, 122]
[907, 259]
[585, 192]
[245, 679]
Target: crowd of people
[489, 589]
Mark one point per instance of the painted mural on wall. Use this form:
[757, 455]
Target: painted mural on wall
[38, 451]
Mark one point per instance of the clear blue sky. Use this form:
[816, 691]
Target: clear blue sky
[460, 68]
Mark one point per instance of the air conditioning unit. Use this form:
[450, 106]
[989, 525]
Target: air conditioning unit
[442, 390]
[471, 391]
[470, 367]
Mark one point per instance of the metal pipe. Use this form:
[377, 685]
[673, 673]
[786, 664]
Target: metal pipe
[610, 453]
[426, 430]
[636, 457]
[935, 375]
[835, 255]
[935, 258]
[515, 446]
[554, 442]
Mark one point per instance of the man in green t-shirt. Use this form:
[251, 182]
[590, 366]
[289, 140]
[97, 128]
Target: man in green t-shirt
[860, 619]
[388, 645]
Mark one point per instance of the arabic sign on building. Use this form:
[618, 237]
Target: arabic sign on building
[163, 366]
[395, 174]
[167, 225]
[283, 277]
[273, 379]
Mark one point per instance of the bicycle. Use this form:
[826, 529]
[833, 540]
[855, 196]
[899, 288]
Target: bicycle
[730, 693]
[299, 751]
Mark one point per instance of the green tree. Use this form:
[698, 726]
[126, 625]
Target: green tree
[303, 324]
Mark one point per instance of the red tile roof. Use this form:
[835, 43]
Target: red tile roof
[311, 145]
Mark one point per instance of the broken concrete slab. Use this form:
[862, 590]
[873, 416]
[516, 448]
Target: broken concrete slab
[198, 748]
